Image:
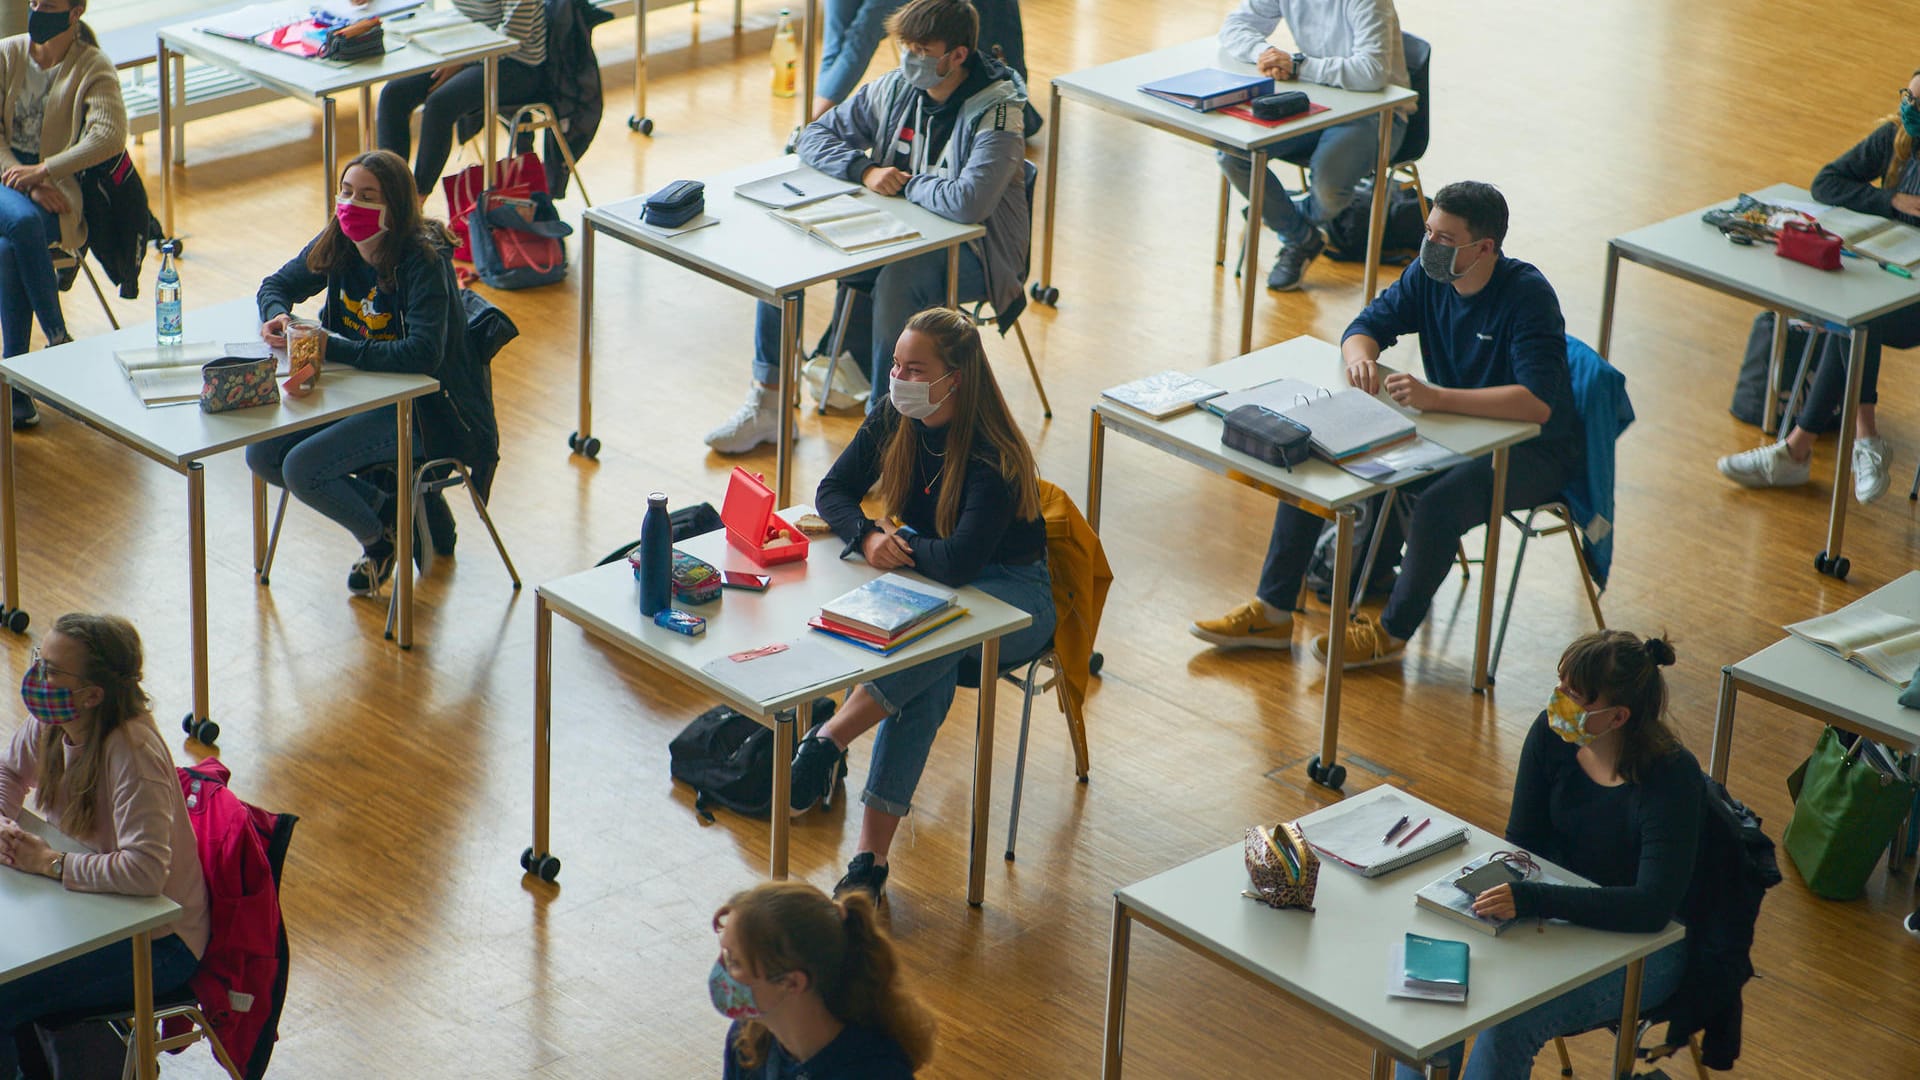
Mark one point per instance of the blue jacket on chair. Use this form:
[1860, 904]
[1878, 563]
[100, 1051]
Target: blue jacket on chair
[1600, 397]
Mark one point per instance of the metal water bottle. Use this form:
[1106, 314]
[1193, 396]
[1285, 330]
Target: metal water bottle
[656, 557]
[166, 299]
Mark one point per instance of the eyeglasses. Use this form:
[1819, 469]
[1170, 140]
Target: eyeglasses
[40, 664]
[1906, 97]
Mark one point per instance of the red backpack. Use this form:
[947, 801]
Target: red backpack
[242, 980]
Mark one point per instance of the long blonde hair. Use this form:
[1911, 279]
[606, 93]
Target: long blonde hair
[979, 417]
[113, 664]
[785, 926]
[1902, 151]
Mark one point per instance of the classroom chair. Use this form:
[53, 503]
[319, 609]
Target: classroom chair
[68, 265]
[530, 119]
[1655, 1054]
[981, 312]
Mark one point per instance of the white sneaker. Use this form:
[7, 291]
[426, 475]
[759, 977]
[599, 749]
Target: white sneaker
[1869, 468]
[756, 421]
[1766, 466]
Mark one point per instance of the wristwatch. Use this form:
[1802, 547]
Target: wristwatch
[1298, 60]
[59, 867]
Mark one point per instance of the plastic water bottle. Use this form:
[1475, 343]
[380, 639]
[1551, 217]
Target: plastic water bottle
[166, 302]
[656, 556]
[786, 54]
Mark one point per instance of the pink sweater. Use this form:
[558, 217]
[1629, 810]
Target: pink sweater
[141, 830]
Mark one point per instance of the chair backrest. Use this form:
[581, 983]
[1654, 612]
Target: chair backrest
[1420, 127]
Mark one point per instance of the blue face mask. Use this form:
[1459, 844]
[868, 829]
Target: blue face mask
[732, 998]
[1910, 118]
[921, 72]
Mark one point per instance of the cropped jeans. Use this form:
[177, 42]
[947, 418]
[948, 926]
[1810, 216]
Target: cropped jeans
[916, 700]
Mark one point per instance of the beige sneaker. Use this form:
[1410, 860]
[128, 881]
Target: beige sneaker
[1368, 643]
[1246, 627]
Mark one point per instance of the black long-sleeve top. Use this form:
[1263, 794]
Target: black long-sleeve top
[1853, 179]
[1635, 841]
[986, 531]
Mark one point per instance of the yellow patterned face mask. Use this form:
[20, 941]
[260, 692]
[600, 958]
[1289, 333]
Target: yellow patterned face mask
[1568, 720]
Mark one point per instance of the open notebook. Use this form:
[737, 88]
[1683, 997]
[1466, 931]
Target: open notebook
[1883, 238]
[1881, 642]
[848, 223]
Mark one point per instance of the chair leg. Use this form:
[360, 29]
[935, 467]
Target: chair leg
[1220, 232]
[101, 296]
[1799, 380]
[273, 538]
[842, 314]
[1506, 610]
[1699, 1066]
[1033, 369]
[1566, 1063]
[1020, 762]
[1419, 191]
[566, 155]
[1586, 576]
[480, 507]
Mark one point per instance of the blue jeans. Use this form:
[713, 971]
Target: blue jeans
[900, 291]
[317, 467]
[1341, 157]
[917, 699]
[853, 29]
[1505, 1051]
[102, 978]
[27, 285]
[463, 94]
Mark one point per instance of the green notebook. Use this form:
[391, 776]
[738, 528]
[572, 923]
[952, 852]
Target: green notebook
[1435, 963]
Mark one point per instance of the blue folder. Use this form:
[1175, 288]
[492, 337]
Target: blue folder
[1209, 88]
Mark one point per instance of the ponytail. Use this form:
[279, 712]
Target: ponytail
[869, 986]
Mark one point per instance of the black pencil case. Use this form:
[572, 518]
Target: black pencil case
[1262, 433]
[676, 204]
[1281, 105]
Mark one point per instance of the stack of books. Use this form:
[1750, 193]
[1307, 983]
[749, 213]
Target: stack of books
[1449, 897]
[1428, 969]
[887, 613]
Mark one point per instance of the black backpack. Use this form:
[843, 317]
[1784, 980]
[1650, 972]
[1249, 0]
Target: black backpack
[1400, 233]
[1750, 390]
[726, 757]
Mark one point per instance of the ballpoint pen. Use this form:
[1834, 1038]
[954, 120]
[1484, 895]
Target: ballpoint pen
[1395, 831]
[793, 189]
[1415, 831]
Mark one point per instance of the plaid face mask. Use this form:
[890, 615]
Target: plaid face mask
[48, 703]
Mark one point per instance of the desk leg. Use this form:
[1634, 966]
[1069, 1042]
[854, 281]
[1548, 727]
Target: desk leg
[259, 526]
[1829, 561]
[403, 524]
[1117, 955]
[163, 72]
[539, 857]
[146, 1056]
[582, 440]
[1053, 190]
[1381, 1067]
[366, 119]
[782, 451]
[783, 740]
[1723, 727]
[983, 772]
[1776, 355]
[490, 93]
[809, 41]
[1250, 271]
[1096, 468]
[953, 276]
[1629, 1022]
[197, 585]
[638, 121]
[1220, 230]
[1377, 215]
[10, 614]
[1323, 769]
[1897, 856]
[329, 152]
[1606, 302]
[179, 110]
[1483, 629]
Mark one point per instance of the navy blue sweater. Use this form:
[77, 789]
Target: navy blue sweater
[857, 1053]
[1509, 332]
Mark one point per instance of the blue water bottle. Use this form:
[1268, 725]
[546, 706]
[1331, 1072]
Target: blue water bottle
[656, 556]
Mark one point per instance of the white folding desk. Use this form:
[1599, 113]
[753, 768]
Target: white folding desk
[1317, 487]
[762, 256]
[1334, 960]
[1692, 250]
[83, 379]
[314, 80]
[48, 924]
[1115, 88]
[639, 120]
[605, 602]
[1817, 684]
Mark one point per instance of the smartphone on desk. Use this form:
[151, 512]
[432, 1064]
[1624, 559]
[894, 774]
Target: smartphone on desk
[1486, 877]
[740, 579]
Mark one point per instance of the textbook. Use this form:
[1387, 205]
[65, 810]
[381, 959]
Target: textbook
[1208, 89]
[1367, 838]
[1870, 234]
[848, 223]
[1886, 644]
[1446, 898]
[885, 646]
[1169, 393]
[1428, 969]
[170, 374]
[888, 606]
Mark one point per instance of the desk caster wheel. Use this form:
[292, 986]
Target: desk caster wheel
[206, 732]
[544, 867]
[14, 620]
[641, 124]
[1095, 663]
[1333, 776]
[1834, 568]
[1047, 295]
[588, 447]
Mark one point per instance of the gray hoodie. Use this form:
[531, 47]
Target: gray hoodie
[980, 177]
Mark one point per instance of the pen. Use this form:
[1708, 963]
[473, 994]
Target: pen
[1891, 268]
[793, 189]
[1397, 826]
[1415, 831]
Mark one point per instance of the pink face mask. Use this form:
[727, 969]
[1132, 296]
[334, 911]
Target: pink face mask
[359, 219]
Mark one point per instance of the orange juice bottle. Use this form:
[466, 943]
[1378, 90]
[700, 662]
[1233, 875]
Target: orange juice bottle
[786, 54]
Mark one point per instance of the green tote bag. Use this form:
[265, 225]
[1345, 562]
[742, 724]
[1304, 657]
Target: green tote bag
[1844, 816]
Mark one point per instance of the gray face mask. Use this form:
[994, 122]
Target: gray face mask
[1441, 261]
[921, 72]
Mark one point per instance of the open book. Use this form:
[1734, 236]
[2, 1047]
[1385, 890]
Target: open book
[1870, 234]
[170, 374]
[848, 223]
[1879, 641]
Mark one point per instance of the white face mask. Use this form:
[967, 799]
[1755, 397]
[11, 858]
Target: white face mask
[914, 400]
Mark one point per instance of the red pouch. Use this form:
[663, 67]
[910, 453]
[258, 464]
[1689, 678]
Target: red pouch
[1806, 242]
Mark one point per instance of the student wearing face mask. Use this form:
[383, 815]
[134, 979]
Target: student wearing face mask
[1605, 790]
[99, 772]
[944, 132]
[960, 503]
[60, 112]
[1879, 176]
[390, 304]
[1493, 344]
[813, 988]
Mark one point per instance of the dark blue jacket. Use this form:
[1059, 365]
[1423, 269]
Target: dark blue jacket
[857, 1053]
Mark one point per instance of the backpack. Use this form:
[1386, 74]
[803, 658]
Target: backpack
[517, 241]
[1400, 232]
[687, 523]
[726, 757]
[1319, 576]
[1750, 389]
